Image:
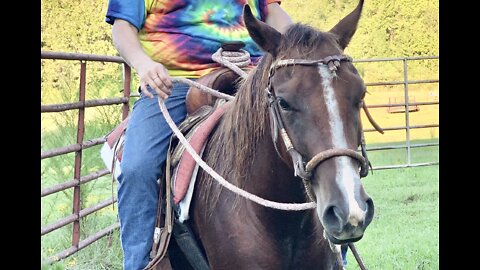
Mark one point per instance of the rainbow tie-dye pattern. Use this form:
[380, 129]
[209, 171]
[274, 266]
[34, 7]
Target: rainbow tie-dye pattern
[183, 34]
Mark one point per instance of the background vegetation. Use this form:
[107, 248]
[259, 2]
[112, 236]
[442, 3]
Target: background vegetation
[397, 28]
[404, 234]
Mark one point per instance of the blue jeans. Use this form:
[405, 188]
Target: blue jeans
[344, 250]
[144, 153]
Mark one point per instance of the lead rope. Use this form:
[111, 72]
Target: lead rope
[208, 169]
[357, 256]
[226, 58]
[234, 60]
[221, 180]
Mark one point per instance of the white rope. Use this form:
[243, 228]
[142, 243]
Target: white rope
[232, 60]
[202, 87]
[221, 180]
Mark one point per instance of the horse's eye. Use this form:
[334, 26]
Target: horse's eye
[284, 105]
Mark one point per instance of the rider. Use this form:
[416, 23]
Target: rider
[160, 39]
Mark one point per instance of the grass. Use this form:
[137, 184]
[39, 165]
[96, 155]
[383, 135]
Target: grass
[55, 206]
[404, 233]
[399, 156]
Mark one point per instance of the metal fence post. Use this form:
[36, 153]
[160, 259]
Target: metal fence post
[407, 115]
[127, 75]
[78, 156]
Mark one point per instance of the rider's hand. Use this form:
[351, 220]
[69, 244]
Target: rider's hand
[156, 75]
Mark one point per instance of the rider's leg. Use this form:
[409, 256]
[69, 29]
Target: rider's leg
[144, 153]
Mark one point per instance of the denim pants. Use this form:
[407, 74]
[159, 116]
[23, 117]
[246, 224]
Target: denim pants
[344, 250]
[144, 153]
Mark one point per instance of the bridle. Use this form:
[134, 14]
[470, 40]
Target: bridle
[304, 169]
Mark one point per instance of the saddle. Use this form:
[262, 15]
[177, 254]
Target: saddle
[223, 79]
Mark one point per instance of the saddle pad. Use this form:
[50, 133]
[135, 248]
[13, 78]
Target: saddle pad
[113, 148]
[183, 209]
[185, 168]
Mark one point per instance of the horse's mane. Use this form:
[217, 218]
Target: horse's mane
[232, 146]
[233, 143]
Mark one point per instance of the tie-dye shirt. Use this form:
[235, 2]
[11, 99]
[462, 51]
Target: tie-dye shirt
[183, 34]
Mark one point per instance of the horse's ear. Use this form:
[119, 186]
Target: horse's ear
[347, 26]
[264, 35]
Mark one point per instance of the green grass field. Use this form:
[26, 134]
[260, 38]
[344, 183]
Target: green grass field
[404, 231]
[403, 234]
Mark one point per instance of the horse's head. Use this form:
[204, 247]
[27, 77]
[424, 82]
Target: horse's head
[316, 95]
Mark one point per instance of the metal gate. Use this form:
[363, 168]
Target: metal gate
[84, 143]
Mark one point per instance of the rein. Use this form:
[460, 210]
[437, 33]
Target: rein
[220, 179]
[300, 169]
[206, 167]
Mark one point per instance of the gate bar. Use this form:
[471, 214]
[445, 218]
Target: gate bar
[88, 103]
[71, 218]
[82, 244]
[72, 148]
[78, 157]
[72, 183]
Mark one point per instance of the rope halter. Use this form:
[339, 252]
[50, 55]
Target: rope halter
[302, 170]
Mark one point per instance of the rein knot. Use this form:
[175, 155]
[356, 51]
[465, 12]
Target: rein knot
[233, 59]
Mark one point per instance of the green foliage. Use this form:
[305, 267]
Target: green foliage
[77, 27]
[396, 28]
[399, 28]
[386, 29]
[69, 26]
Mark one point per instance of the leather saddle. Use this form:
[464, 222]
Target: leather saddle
[223, 79]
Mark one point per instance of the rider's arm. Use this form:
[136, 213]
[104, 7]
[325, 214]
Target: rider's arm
[125, 39]
[277, 17]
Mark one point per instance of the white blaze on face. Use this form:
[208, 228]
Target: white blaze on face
[346, 172]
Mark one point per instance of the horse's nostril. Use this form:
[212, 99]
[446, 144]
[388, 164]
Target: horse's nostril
[332, 219]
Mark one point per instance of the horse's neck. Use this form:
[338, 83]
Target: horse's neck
[274, 180]
[270, 177]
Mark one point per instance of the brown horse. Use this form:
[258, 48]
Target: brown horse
[301, 103]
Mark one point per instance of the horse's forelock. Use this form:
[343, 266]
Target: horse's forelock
[305, 41]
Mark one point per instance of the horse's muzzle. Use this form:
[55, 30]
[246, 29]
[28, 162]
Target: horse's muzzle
[341, 227]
